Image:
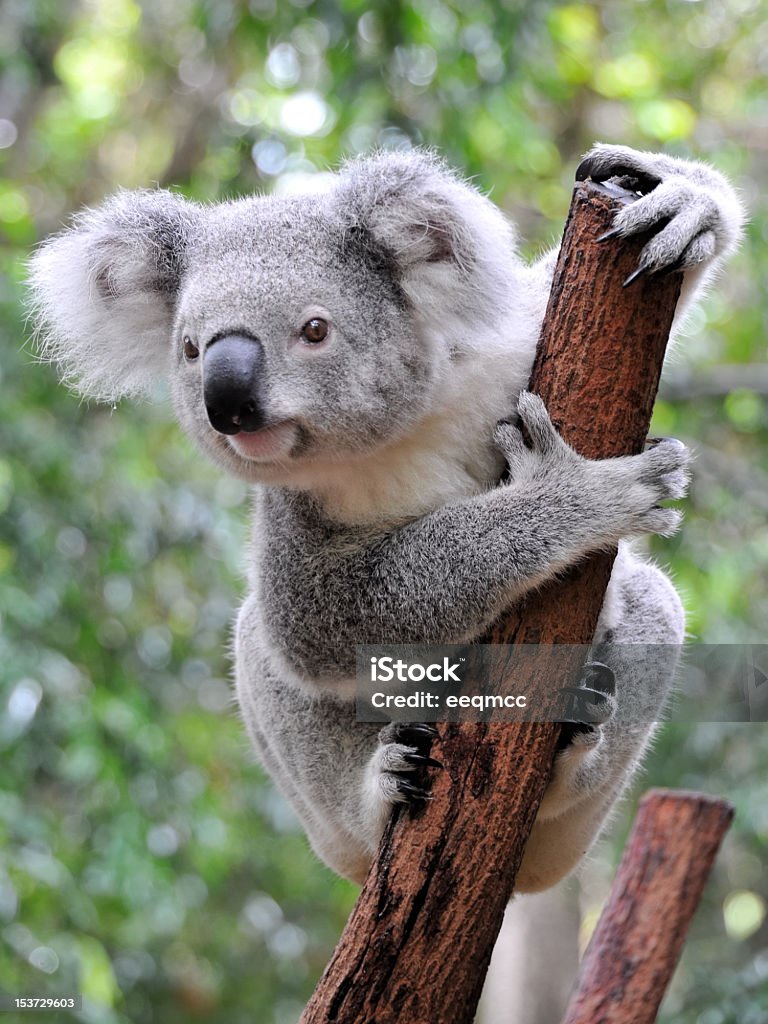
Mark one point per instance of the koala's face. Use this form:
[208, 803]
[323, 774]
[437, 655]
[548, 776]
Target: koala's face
[298, 331]
[293, 342]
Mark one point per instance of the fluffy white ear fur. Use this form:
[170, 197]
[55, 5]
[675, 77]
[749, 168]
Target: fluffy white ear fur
[453, 249]
[102, 292]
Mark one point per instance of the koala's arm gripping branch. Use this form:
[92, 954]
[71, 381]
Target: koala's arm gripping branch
[417, 945]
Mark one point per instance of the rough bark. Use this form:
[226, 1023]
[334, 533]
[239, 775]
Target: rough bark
[417, 945]
[639, 937]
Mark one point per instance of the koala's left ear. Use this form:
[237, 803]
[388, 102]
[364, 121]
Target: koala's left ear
[103, 292]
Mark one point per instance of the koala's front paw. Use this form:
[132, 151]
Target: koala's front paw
[603, 499]
[694, 210]
[401, 759]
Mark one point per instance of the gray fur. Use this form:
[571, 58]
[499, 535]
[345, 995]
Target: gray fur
[377, 515]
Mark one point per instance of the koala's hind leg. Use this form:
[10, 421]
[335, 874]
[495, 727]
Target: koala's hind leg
[639, 637]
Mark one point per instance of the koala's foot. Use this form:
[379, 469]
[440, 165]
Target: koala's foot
[591, 702]
[692, 209]
[401, 759]
[580, 767]
[395, 774]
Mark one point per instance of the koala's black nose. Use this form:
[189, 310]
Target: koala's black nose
[232, 368]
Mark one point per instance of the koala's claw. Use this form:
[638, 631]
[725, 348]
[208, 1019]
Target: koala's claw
[643, 268]
[422, 761]
[402, 759]
[612, 233]
[601, 677]
[597, 681]
[673, 442]
[584, 706]
[591, 702]
[409, 791]
[416, 734]
[601, 164]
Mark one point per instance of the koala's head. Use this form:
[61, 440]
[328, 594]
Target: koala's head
[294, 330]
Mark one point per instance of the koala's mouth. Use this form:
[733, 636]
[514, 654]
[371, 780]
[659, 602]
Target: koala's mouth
[270, 444]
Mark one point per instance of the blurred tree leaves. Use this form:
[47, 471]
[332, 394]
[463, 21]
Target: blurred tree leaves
[144, 859]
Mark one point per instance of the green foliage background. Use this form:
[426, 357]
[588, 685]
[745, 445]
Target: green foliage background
[144, 859]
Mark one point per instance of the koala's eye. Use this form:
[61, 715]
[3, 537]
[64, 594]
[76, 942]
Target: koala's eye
[314, 331]
[191, 351]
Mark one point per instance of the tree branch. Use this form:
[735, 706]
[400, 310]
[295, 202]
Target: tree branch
[639, 937]
[417, 945]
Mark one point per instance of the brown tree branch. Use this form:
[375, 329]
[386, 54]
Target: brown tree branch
[639, 937]
[417, 945]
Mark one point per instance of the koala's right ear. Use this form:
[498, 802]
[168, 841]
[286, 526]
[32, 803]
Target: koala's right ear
[103, 291]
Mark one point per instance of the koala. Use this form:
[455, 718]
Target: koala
[359, 356]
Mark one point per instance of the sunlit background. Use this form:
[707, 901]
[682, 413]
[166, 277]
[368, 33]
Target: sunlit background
[144, 860]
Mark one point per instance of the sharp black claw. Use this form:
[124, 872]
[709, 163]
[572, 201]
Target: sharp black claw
[590, 167]
[584, 170]
[596, 696]
[422, 761]
[581, 704]
[613, 233]
[642, 269]
[628, 177]
[600, 677]
[596, 685]
[418, 730]
[651, 442]
[415, 792]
